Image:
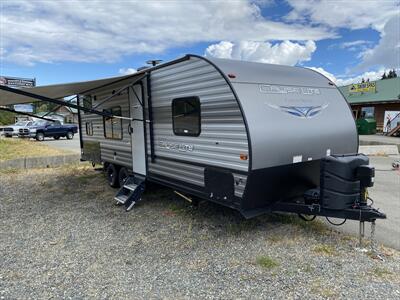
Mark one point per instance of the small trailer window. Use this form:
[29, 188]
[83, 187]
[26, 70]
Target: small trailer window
[113, 126]
[186, 116]
[86, 101]
[89, 128]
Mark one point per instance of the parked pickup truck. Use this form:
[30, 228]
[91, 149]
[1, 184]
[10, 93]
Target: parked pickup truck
[13, 130]
[41, 129]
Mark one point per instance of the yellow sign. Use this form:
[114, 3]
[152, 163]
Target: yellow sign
[362, 87]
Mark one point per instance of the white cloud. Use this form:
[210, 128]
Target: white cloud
[126, 71]
[341, 80]
[371, 75]
[330, 76]
[93, 31]
[356, 46]
[285, 53]
[348, 14]
[387, 52]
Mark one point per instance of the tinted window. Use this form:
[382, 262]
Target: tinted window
[186, 116]
[113, 126]
[86, 101]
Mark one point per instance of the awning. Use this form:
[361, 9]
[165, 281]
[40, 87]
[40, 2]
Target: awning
[58, 91]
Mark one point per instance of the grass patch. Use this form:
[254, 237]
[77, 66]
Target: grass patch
[316, 225]
[239, 226]
[325, 249]
[381, 272]
[18, 148]
[177, 208]
[266, 262]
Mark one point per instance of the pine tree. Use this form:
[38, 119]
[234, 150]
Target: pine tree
[384, 75]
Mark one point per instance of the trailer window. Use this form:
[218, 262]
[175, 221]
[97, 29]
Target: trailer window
[113, 126]
[89, 128]
[186, 116]
[86, 102]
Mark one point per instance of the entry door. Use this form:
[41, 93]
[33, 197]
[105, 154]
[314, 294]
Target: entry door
[137, 130]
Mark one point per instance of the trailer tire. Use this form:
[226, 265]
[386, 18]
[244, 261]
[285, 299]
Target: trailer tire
[112, 176]
[122, 176]
[40, 136]
[70, 135]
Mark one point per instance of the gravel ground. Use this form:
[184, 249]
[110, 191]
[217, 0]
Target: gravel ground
[61, 236]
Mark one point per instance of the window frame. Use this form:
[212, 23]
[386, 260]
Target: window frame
[89, 132]
[110, 110]
[182, 99]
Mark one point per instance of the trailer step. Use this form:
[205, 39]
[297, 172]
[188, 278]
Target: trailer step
[131, 192]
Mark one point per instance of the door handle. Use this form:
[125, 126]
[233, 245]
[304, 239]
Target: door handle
[130, 129]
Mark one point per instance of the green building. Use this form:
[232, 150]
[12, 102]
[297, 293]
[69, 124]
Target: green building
[377, 99]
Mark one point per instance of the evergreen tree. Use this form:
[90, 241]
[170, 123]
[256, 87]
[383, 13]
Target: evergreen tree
[384, 75]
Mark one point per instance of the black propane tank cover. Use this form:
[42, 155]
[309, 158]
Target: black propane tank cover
[340, 186]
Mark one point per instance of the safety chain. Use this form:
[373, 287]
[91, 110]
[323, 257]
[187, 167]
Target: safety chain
[374, 247]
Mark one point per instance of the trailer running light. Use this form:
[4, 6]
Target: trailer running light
[230, 75]
[243, 156]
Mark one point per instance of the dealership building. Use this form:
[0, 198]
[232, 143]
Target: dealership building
[378, 99]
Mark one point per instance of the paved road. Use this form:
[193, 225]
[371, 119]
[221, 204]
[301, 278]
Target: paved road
[386, 195]
[64, 144]
[378, 139]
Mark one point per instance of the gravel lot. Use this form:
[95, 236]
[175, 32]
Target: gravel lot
[61, 236]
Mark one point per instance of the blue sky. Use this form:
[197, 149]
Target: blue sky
[67, 41]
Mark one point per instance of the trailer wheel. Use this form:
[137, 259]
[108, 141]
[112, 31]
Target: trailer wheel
[70, 135]
[112, 176]
[40, 136]
[122, 176]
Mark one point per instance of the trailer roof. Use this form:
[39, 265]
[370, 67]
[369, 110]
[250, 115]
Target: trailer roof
[252, 72]
[243, 71]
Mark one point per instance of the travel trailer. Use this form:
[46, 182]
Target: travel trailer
[254, 137]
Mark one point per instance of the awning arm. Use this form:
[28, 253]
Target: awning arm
[24, 113]
[59, 102]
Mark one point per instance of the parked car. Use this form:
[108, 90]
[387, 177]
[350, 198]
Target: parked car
[13, 130]
[41, 129]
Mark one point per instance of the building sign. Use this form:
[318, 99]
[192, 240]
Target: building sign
[15, 82]
[23, 108]
[364, 87]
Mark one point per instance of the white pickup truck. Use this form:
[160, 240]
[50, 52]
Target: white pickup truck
[13, 130]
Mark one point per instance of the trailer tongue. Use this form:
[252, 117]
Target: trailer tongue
[342, 192]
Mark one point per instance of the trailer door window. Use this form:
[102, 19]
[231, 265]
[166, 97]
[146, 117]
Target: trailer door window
[186, 116]
[89, 128]
[113, 126]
